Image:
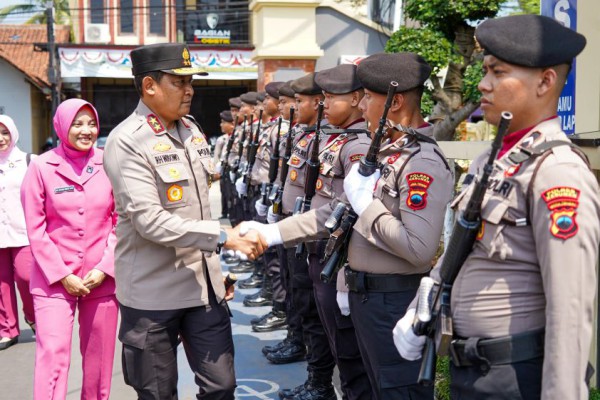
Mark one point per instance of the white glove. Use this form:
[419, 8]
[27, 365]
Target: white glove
[409, 345]
[359, 189]
[232, 176]
[343, 303]
[220, 169]
[272, 218]
[270, 232]
[261, 209]
[241, 255]
[240, 186]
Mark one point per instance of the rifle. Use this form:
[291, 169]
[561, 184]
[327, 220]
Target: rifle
[340, 229]
[252, 150]
[225, 162]
[240, 147]
[277, 193]
[435, 322]
[273, 166]
[312, 174]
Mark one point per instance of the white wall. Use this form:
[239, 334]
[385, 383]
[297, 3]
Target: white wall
[15, 99]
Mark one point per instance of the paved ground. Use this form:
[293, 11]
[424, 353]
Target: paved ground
[256, 377]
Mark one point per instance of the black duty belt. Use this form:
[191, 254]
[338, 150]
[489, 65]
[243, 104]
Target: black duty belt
[316, 247]
[503, 350]
[363, 282]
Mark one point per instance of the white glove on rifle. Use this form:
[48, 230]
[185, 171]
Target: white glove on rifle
[409, 345]
[272, 218]
[240, 187]
[220, 169]
[270, 232]
[261, 209]
[232, 176]
[359, 189]
[343, 303]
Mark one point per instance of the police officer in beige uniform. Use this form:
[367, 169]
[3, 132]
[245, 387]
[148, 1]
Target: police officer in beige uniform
[523, 302]
[399, 226]
[219, 155]
[169, 282]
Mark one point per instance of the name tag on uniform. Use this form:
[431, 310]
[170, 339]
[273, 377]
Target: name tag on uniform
[64, 189]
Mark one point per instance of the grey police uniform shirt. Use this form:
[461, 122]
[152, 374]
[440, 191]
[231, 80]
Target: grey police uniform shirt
[220, 149]
[294, 183]
[266, 145]
[165, 235]
[541, 275]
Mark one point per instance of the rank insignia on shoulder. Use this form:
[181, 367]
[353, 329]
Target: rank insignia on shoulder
[161, 147]
[293, 175]
[174, 193]
[513, 169]
[418, 183]
[355, 157]
[562, 201]
[530, 140]
[155, 123]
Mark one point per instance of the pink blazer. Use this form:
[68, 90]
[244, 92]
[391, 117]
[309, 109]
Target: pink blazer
[70, 222]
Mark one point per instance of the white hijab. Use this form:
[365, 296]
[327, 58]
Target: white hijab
[13, 152]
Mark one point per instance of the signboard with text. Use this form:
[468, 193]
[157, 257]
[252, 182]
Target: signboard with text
[565, 12]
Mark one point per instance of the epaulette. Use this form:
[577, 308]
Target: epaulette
[334, 131]
[525, 154]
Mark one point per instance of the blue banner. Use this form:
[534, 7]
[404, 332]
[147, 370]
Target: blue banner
[565, 12]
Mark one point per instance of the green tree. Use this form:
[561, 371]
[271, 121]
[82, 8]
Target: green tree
[62, 13]
[445, 38]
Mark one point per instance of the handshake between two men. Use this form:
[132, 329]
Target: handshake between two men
[250, 238]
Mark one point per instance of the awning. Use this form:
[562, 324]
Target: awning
[79, 62]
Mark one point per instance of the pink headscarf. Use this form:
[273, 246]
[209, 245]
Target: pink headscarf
[14, 136]
[63, 118]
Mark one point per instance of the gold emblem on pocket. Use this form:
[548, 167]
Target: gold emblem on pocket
[174, 173]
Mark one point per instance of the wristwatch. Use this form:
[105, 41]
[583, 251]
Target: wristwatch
[222, 240]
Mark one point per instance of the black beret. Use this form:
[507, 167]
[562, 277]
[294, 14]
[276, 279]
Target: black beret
[339, 80]
[226, 116]
[261, 96]
[249, 98]
[235, 102]
[408, 69]
[306, 85]
[529, 40]
[273, 89]
[286, 90]
[172, 58]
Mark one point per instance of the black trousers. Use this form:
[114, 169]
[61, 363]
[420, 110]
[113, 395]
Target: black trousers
[517, 381]
[340, 333]
[292, 317]
[374, 316]
[320, 360]
[150, 339]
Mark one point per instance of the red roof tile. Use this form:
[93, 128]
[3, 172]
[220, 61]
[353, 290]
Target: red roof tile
[16, 47]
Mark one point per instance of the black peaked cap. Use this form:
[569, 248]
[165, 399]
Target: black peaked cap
[306, 85]
[172, 58]
[226, 116]
[272, 89]
[339, 80]
[408, 69]
[286, 89]
[529, 40]
[249, 98]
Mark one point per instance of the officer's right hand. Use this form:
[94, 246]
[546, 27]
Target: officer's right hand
[250, 243]
[343, 303]
[272, 218]
[409, 345]
[261, 209]
[270, 232]
[74, 285]
[240, 186]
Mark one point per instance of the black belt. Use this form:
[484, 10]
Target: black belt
[385, 283]
[316, 247]
[503, 350]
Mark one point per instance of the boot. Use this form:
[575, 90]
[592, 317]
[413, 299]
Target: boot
[242, 268]
[262, 298]
[277, 346]
[255, 281]
[273, 321]
[292, 352]
[290, 393]
[317, 389]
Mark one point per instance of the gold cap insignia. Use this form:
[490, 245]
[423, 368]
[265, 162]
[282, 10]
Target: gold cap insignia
[186, 57]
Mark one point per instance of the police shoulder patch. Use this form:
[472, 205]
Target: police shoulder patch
[418, 183]
[155, 123]
[355, 157]
[562, 201]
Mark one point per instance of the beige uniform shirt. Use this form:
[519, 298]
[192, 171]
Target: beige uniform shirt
[166, 236]
[266, 145]
[294, 183]
[523, 278]
[220, 149]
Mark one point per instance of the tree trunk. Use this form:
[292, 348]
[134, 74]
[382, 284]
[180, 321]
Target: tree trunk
[444, 129]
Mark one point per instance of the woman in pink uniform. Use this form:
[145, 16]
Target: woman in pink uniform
[15, 255]
[70, 217]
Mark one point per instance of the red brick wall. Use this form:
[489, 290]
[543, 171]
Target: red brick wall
[267, 69]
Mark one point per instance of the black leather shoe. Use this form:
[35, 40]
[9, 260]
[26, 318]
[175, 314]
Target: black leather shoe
[275, 320]
[291, 353]
[277, 346]
[262, 298]
[255, 281]
[7, 343]
[316, 392]
[242, 268]
[290, 393]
